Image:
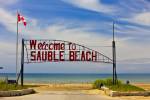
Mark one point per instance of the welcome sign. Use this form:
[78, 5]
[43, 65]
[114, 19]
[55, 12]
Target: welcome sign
[58, 50]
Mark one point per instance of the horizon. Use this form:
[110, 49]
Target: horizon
[76, 73]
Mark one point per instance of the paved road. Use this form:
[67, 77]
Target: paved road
[60, 95]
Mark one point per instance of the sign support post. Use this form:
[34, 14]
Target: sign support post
[22, 62]
[114, 58]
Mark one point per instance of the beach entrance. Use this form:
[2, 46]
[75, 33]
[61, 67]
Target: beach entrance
[40, 51]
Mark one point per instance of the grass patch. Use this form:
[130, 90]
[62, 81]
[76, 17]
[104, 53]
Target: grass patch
[125, 88]
[118, 87]
[6, 87]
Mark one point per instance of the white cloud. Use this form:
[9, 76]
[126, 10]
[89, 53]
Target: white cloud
[8, 2]
[132, 31]
[8, 20]
[93, 5]
[142, 18]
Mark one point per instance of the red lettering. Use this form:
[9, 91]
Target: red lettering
[73, 46]
[76, 55]
[50, 56]
[62, 46]
[44, 55]
[51, 46]
[54, 54]
[82, 56]
[33, 44]
[40, 46]
[61, 55]
[39, 56]
[33, 55]
[71, 55]
[70, 46]
[57, 46]
[88, 53]
[46, 47]
[94, 56]
[43, 46]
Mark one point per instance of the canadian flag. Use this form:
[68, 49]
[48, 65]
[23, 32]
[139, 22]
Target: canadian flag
[21, 18]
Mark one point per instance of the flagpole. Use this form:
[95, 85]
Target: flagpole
[17, 49]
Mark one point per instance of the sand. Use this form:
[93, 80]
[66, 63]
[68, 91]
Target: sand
[60, 87]
[145, 86]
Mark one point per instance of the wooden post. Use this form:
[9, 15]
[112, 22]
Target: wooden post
[22, 62]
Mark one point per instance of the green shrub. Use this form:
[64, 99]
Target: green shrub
[108, 81]
[98, 83]
[2, 82]
[119, 82]
[118, 87]
[5, 87]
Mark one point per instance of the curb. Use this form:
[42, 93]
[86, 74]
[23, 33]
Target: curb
[16, 92]
[111, 93]
[115, 93]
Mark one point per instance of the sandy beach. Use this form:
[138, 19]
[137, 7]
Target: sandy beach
[145, 86]
[73, 92]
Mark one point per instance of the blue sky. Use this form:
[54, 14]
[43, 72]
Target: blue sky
[87, 22]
